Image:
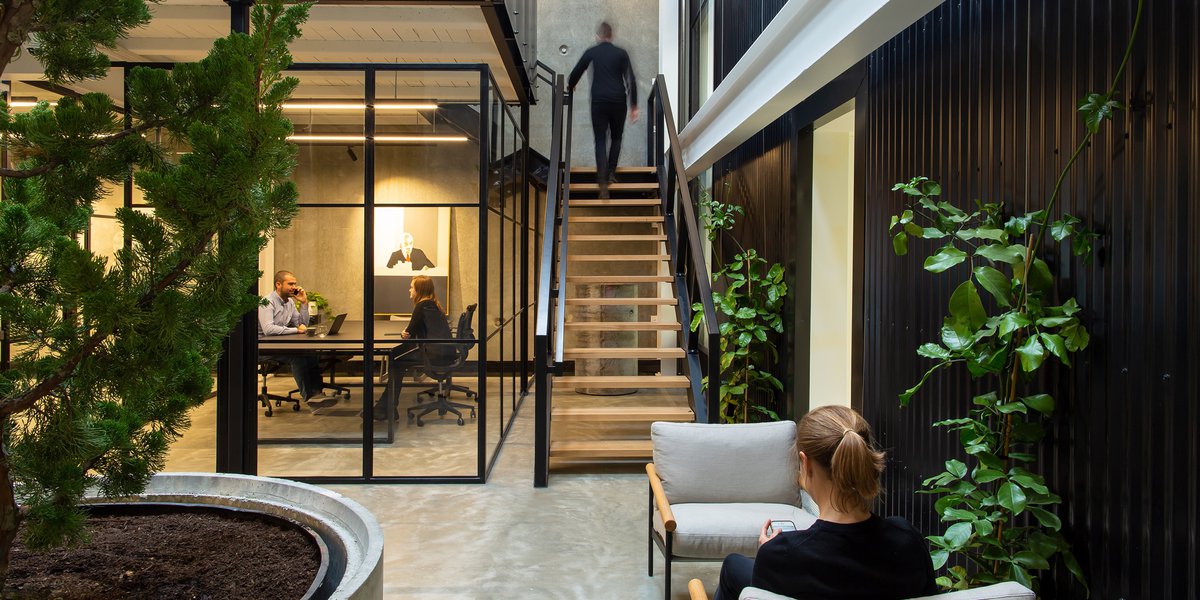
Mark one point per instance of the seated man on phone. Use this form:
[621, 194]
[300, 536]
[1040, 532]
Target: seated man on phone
[280, 316]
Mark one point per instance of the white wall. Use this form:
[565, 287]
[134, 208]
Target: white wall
[832, 260]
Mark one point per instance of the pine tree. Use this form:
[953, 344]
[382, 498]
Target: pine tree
[109, 356]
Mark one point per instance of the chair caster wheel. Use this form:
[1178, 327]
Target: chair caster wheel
[278, 403]
[460, 421]
[268, 413]
[296, 407]
[472, 416]
[420, 423]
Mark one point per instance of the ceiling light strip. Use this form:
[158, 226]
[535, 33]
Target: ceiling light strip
[378, 138]
[358, 106]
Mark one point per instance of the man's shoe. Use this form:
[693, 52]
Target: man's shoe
[612, 176]
[315, 403]
[604, 189]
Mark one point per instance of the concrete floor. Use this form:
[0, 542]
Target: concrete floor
[582, 537]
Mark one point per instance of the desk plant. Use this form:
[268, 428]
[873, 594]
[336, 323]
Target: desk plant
[109, 357]
[752, 302]
[1000, 511]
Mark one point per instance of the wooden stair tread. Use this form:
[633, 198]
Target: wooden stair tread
[619, 279]
[619, 257]
[619, 170]
[584, 353]
[624, 381]
[622, 326]
[585, 449]
[623, 301]
[624, 413]
[618, 219]
[616, 187]
[650, 237]
[618, 202]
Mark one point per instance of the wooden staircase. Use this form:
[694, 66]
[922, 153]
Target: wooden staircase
[617, 241]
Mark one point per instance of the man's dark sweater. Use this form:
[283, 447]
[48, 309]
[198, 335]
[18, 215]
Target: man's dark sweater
[612, 76]
[877, 558]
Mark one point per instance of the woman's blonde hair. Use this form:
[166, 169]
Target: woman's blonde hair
[840, 440]
[423, 286]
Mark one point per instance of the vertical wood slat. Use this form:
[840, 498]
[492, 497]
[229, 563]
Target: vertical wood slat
[982, 95]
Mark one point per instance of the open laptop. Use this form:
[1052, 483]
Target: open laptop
[337, 324]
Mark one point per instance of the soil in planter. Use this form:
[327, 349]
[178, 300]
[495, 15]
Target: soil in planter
[184, 555]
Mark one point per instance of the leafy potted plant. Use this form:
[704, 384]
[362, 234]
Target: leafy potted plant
[751, 301]
[1004, 323]
[108, 357]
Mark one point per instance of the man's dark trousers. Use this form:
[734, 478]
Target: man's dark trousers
[608, 118]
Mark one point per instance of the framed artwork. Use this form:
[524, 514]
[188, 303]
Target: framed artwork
[410, 241]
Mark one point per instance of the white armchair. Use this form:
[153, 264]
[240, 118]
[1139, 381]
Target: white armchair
[713, 486]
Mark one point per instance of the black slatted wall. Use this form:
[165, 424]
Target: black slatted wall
[981, 95]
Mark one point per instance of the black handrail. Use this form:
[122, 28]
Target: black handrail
[545, 340]
[692, 279]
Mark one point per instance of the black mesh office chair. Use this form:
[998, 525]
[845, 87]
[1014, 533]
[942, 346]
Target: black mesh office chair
[440, 363]
[266, 366]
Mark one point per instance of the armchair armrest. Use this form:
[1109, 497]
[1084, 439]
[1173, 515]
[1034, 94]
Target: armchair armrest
[660, 498]
[696, 589]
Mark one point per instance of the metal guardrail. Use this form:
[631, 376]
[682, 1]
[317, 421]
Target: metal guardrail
[692, 280]
[551, 299]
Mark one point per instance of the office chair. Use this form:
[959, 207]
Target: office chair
[266, 366]
[463, 331]
[440, 363]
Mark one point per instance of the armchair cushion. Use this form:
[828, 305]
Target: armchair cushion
[716, 530]
[1009, 590]
[752, 462]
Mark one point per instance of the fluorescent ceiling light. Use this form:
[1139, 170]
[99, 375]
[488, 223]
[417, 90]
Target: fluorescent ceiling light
[358, 106]
[26, 104]
[378, 138]
[420, 138]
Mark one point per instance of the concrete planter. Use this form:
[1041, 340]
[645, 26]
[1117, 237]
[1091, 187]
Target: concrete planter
[351, 533]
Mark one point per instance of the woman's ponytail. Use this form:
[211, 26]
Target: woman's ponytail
[840, 440]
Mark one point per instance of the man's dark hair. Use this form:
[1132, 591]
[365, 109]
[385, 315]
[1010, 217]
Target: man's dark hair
[604, 31]
[281, 275]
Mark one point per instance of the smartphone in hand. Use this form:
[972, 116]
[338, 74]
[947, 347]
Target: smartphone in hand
[780, 526]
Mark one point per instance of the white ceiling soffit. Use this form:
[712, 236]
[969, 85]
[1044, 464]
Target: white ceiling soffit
[184, 30]
[807, 45]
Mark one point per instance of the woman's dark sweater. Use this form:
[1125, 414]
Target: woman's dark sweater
[876, 558]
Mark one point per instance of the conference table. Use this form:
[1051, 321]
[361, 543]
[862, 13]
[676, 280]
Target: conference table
[348, 341]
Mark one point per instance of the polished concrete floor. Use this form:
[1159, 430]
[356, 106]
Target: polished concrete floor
[582, 537]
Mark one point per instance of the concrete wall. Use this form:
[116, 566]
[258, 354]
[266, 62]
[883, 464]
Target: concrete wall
[573, 23]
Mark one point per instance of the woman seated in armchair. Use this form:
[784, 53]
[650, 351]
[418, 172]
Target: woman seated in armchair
[849, 552]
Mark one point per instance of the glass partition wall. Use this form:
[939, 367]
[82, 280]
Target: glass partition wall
[411, 182]
[408, 176]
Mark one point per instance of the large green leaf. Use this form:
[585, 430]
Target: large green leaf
[956, 468]
[900, 243]
[939, 558]
[1057, 347]
[1076, 337]
[1046, 518]
[1030, 560]
[947, 257]
[996, 283]
[1040, 278]
[1042, 403]
[1011, 497]
[933, 351]
[745, 312]
[966, 307]
[954, 339]
[988, 475]
[1012, 321]
[958, 534]
[1032, 354]
[1002, 253]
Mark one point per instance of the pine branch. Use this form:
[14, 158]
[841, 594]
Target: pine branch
[26, 399]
